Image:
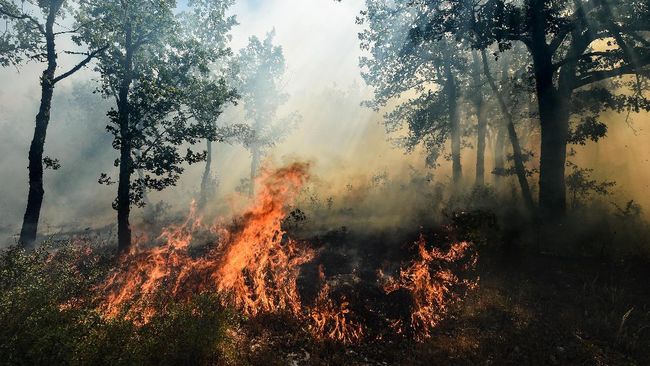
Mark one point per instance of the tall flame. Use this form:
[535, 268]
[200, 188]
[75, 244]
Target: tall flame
[260, 267]
[256, 267]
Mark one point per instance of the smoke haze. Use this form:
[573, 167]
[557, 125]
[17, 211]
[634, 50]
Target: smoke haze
[345, 142]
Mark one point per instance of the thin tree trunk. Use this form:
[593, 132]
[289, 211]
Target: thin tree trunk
[454, 122]
[481, 116]
[37, 146]
[499, 156]
[205, 181]
[512, 134]
[124, 184]
[255, 162]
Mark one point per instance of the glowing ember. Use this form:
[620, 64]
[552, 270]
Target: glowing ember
[432, 287]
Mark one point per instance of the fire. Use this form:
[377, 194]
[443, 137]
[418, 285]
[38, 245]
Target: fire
[261, 266]
[331, 321]
[254, 267]
[431, 286]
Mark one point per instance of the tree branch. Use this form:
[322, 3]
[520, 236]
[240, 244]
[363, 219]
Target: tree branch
[596, 76]
[81, 64]
[23, 16]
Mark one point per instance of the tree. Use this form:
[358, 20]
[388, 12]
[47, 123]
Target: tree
[520, 169]
[206, 22]
[481, 107]
[574, 47]
[32, 35]
[148, 69]
[403, 63]
[260, 68]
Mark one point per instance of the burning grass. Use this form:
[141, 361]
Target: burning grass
[254, 267]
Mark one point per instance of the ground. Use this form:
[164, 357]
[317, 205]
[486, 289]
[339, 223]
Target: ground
[528, 310]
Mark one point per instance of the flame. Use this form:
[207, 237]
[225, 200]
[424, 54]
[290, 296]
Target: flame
[261, 266]
[256, 268]
[331, 321]
[432, 287]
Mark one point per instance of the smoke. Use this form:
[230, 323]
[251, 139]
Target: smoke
[345, 142]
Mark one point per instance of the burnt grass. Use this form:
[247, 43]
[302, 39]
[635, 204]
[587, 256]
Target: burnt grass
[529, 309]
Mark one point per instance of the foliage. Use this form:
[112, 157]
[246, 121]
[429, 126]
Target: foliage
[419, 77]
[258, 72]
[581, 186]
[172, 95]
[49, 314]
[46, 303]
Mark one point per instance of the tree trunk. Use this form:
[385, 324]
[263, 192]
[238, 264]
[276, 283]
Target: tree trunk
[454, 122]
[520, 169]
[205, 181]
[481, 116]
[499, 156]
[255, 162]
[37, 146]
[124, 184]
[554, 123]
[554, 120]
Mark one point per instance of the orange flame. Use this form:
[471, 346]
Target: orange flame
[261, 266]
[256, 268]
[332, 322]
[432, 288]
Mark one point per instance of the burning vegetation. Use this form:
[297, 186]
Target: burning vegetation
[254, 267]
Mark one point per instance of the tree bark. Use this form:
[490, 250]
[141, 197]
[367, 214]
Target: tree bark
[520, 169]
[499, 156]
[124, 184]
[451, 90]
[554, 123]
[37, 146]
[205, 180]
[554, 120]
[255, 162]
[481, 116]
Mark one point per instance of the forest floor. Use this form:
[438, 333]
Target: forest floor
[528, 310]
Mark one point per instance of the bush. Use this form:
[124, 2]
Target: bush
[49, 316]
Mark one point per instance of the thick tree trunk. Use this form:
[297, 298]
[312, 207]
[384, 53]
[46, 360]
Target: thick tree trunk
[255, 162]
[454, 122]
[554, 119]
[205, 180]
[124, 184]
[481, 116]
[520, 169]
[554, 122]
[37, 146]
